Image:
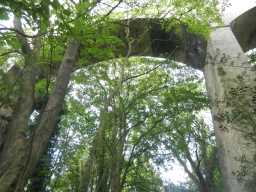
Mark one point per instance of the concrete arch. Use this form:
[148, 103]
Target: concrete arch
[149, 38]
[244, 29]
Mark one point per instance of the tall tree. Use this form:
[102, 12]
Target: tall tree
[22, 146]
[129, 102]
[192, 145]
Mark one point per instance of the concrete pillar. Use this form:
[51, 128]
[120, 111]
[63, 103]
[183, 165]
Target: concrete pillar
[231, 85]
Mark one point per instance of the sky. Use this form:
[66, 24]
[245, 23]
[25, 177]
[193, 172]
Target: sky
[176, 174]
[173, 174]
[236, 8]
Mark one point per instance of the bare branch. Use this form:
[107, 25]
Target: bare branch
[21, 33]
[113, 8]
[9, 52]
[19, 30]
[184, 165]
[142, 74]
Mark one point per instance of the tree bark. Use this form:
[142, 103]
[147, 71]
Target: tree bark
[116, 174]
[16, 143]
[118, 138]
[22, 149]
[203, 187]
[50, 114]
[85, 174]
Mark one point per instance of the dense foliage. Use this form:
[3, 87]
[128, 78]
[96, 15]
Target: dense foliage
[121, 118]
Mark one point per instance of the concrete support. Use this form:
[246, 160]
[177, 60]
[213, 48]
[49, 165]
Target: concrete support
[231, 85]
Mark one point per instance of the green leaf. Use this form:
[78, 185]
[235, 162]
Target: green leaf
[3, 14]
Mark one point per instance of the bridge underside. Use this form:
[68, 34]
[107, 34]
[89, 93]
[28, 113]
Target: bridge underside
[149, 38]
[244, 29]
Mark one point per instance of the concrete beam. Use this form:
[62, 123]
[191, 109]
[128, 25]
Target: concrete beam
[244, 29]
[151, 39]
[231, 85]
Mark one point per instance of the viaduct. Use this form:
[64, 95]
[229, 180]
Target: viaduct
[230, 82]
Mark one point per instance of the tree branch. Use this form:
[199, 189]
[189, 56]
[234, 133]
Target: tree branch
[10, 52]
[139, 75]
[21, 33]
[53, 107]
[113, 8]
[22, 39]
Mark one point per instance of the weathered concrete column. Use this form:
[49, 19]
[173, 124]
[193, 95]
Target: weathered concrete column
[231, 85]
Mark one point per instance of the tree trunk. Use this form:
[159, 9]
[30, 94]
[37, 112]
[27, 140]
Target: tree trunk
[231, 87]
[86, 176]
[119, 135]
[22, 149]
[101, 152]
[41, 177]
[5, 116]
[98, 160]
[15, 148]
[203, 187]
[116, 174]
